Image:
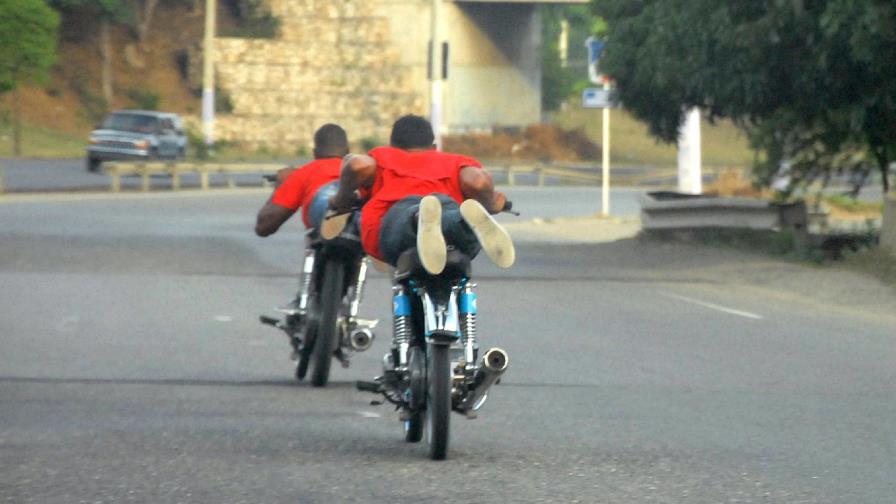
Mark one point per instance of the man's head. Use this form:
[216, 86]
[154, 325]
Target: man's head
[330, 140]
[412, 132]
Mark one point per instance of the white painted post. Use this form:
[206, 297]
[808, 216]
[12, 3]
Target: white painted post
[563, 43]
[435, 74]
[605, 155]
[690, 180]
[208, 73]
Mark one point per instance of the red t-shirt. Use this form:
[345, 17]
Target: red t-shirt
[399, 174]
[300, 186]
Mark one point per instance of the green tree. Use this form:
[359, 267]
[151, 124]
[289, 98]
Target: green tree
[561, 79]
[107, 12]
[27, 49]
[812, 81]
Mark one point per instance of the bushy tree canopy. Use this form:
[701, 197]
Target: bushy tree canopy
[27, 41]
[813, 81]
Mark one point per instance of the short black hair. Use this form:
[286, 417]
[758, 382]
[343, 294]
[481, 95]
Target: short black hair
[330, 140]
[411, 132]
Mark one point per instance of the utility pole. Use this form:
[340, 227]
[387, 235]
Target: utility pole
[605, 156]
[690, 179]
[208, 73]
[435, 72]
[563, 43]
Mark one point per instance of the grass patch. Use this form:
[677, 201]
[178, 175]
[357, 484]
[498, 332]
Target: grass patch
[723, 144]
[38, 141]
[850, 205]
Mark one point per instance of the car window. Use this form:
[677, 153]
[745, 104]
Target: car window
[167, 125]
[137, 123]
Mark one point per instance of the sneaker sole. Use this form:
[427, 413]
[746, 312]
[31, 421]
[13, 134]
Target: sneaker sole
[333, 225]
[430, 242]
[495, 240]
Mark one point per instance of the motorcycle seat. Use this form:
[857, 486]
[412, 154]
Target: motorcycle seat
[408, 265]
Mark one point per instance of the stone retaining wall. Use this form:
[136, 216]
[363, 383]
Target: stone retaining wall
[333, 62]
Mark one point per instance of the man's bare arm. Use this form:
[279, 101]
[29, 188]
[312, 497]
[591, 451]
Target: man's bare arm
[357, 171]
[270, 218]
[477, 184]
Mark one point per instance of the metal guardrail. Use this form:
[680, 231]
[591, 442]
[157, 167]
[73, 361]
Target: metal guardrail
[542, 172]
[116, 169]
[589, 176]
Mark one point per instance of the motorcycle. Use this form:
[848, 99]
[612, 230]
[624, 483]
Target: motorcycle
[434, 366]
[323, 324]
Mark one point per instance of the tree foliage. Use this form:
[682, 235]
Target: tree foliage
[560, 82]
[812, 81]
[27, 41]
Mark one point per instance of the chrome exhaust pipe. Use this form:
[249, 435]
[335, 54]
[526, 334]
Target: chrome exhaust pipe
[494, 363]
[360, 339]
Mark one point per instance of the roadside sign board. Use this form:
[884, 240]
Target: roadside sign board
[597, 98]
[595, 48]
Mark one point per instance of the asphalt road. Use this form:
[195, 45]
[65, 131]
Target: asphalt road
[132, 369]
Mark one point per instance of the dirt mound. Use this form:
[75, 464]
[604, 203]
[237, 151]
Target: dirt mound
[537, 142]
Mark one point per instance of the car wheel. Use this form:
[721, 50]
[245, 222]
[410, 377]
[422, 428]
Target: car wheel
[93, 164]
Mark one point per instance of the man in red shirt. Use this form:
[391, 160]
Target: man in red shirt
[421, 197]
[300, 187]
[308, 187]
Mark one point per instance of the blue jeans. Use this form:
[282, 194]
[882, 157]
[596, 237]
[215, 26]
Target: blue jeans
[398, 231]
[319, 204]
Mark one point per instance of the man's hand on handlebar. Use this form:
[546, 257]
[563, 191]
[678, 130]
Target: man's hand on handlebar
[340, 204]
[282, 173]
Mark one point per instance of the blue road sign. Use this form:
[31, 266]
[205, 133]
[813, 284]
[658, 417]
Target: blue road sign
[595, 48]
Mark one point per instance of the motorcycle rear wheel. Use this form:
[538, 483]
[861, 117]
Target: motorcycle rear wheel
[438, 401]
[325, 340]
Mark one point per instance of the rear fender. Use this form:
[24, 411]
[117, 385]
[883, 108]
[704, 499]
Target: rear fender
[440, 319]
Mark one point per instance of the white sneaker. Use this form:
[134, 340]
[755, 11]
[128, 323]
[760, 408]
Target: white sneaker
[431, 246]
[495, 240]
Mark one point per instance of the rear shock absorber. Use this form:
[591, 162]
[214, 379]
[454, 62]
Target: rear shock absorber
[401, 324]
[467, 305]
[307, 273]
[359, 289]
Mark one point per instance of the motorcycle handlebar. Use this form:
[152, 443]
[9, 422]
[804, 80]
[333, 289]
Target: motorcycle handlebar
[508, 208]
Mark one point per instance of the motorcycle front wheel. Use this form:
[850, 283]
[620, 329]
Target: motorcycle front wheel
[325, 341]
[438, 401]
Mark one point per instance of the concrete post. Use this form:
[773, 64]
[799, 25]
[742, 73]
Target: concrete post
[689, 171]
[208, 72]
[435, 75]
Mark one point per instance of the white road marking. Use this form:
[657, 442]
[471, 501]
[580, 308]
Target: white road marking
[223, 318]
[713, 306]
[369, 414]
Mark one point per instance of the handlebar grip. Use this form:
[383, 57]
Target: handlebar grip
[270, 178]
[508, 206]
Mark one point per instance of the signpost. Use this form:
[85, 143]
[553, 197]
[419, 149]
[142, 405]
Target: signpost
[600, 98]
